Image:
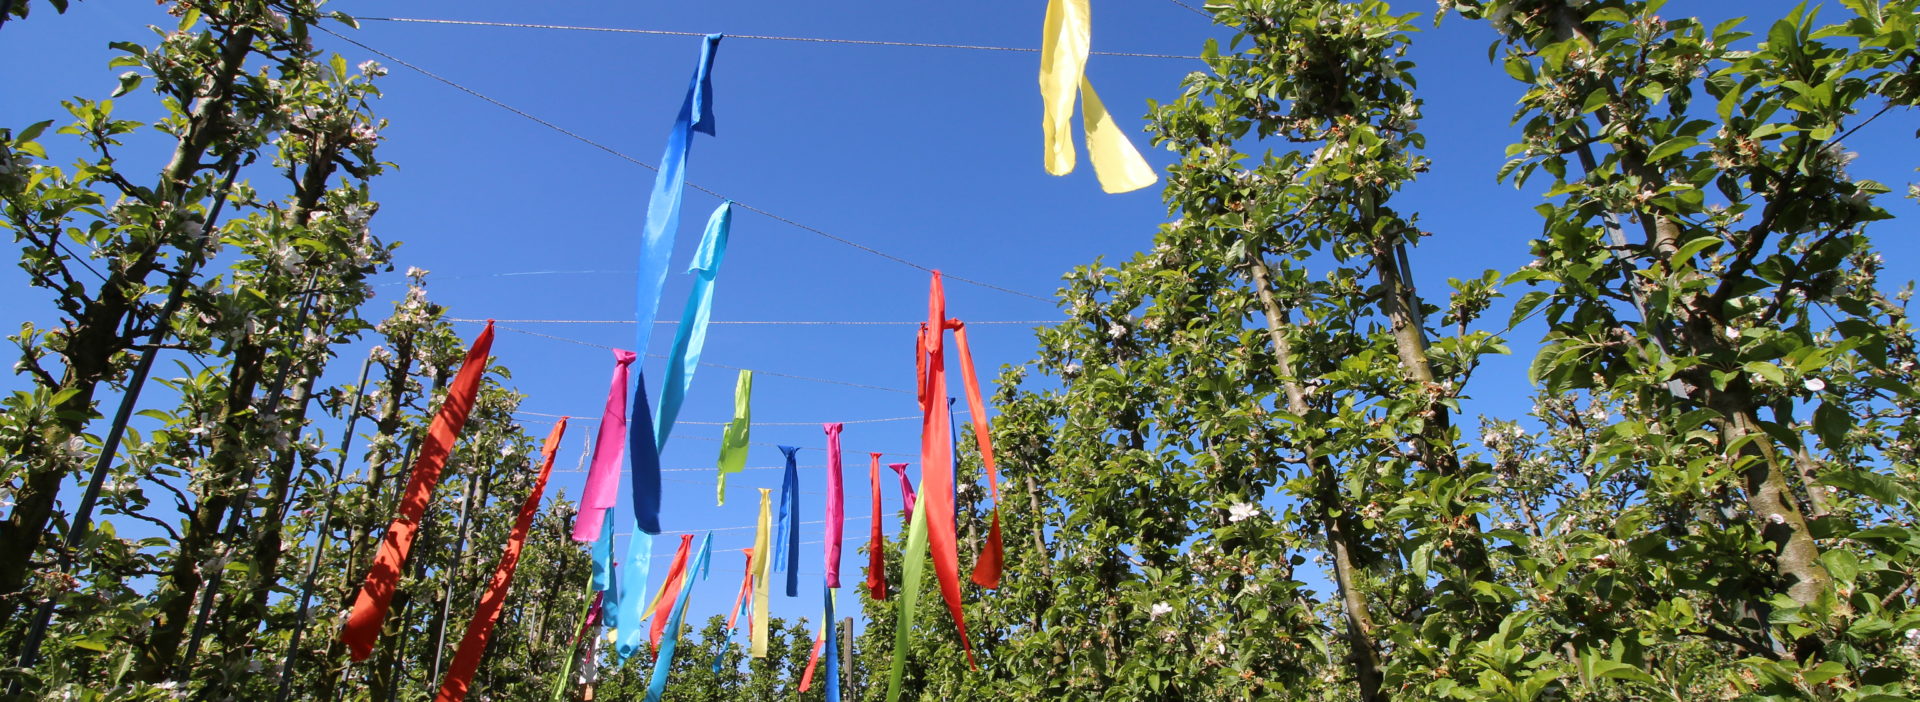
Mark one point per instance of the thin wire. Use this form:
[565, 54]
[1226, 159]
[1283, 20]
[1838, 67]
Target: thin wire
[757, 424]
[814, 40]
[1195, 10]
[651, 167]
[788, 376]
[752, 322]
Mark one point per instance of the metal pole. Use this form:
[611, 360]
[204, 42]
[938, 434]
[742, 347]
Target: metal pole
[453, 577]
[319, 548]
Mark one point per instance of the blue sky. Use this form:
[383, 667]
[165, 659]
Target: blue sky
[931, 155]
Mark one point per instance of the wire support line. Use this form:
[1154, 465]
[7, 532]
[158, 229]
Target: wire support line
[767, 37]
[709, 364]
[756, 424]
[696, 186]
[1192, 9]
[769, 322]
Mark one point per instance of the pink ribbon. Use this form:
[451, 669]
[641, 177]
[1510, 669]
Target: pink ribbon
[603, 479]
[836, 504]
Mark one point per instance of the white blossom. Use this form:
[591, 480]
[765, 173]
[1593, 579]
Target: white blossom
[372, 68]
[1815, 384]
[1241, 511]
[1158, 610]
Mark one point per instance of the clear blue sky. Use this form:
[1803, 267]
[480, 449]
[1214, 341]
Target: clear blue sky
[932, 155]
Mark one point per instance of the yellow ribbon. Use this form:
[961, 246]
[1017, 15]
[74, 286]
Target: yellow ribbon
[1063, 63]
[760, 573]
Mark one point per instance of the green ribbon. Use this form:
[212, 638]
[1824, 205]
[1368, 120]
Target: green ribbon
[912, 560]
[733, 444]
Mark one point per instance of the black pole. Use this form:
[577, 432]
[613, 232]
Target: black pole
[319, 548]
[82, 523]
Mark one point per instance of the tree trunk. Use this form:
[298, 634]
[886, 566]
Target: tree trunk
[1363, 651]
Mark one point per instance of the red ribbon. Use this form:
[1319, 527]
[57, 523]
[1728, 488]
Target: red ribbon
[370, 603]
[936, 458]
[986, 568]
[670, 591]
[467, 659]
[876, 550]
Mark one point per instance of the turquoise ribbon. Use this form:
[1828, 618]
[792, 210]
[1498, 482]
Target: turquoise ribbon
[639, 568]
[664, 664]
[691, 336]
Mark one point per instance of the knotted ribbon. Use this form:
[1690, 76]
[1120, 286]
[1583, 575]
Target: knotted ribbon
[733, 442]
[669, 590]
[603, 478]
[836, 504]
[658, 685]
[876, 544]
[786, 535]
[907, 492]
[757, 621]
[376, 593]
[1063, 63]
[453, 688]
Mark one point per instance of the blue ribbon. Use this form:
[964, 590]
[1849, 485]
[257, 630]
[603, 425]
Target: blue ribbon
[656, 248]
[833, 651]
[661, 667]
[626, 602]
[691, 336]
[786, 532]
[663, 207]
[604, 578]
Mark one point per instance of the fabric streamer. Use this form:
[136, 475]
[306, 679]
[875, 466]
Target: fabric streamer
[907, 492]
[690, 337]
[603, 478]
[658, 685]
[630, 594]
[644, 481]
[827, 639]
[1063, 62]
[733, 443]
[588, 618]
[786, 535]
[836, 504]
[912, 561]
[663, 205]
[606, 579]
[936, 457]
[669, 589]
[833, 652]
[813, 656]
[376, 593]
[466, 659]
[876, 543]
[746, 586]
[757, 621]
[645, 487]
[986, 568]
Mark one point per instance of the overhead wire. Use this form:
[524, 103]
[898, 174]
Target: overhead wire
[619, 154]
[711, 364]
[766, 37]
[799, 323]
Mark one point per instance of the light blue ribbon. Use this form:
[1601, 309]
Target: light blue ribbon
[664, 664]
[691, 336]
[639, 569]
[604, 578]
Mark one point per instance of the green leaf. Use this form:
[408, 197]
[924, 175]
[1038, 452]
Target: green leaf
[1670, 147]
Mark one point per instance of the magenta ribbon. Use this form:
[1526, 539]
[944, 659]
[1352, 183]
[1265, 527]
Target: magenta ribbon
[906, 485]
[836, 505]
[603, 479]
